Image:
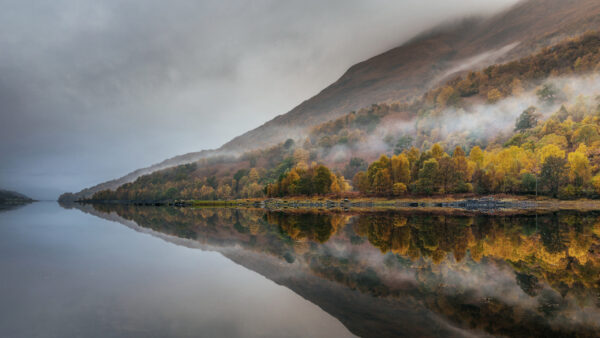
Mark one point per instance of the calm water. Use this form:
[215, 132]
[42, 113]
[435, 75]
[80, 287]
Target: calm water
[151, 271]
[69, 274]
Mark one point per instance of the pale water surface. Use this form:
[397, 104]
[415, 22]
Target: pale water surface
[69, 274]
[127, 271]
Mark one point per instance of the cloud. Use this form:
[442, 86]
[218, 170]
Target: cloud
[91, 90]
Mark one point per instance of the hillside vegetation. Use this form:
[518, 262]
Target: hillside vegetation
[11, 197]
[408, 71]
[550, 149]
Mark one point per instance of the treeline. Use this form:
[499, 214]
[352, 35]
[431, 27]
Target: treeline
[187, 182]
[558, 157]
[572, 57]
[308, 181]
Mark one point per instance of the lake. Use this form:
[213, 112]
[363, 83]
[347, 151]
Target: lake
[127, 271]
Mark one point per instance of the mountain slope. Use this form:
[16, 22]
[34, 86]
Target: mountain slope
[410, 70]
[414, 67]
[11, 197]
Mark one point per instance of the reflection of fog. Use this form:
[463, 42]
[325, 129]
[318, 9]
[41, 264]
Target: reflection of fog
[504, 275]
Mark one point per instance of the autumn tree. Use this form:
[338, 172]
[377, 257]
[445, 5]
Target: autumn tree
[494, 96]
[400, 169]
[428, 175]
[553, 173]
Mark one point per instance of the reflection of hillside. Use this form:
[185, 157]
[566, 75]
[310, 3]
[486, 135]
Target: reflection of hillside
[9, 207]
[399, 273]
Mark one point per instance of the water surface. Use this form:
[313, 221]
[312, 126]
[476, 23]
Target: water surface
[65, 273]
[159, 271]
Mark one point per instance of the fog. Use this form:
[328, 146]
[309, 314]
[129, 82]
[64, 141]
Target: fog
[91, 90]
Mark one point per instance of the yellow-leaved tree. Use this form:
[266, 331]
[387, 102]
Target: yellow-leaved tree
[579, 165]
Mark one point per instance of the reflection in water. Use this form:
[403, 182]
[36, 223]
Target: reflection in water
[411, 273]
[9, 207]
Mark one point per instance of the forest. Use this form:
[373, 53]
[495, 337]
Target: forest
[552, 148]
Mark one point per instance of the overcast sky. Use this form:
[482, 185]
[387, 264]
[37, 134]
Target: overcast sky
[91, 90]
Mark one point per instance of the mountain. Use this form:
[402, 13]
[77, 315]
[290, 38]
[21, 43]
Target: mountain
[11, 197]
[410, 70]
[422, 62]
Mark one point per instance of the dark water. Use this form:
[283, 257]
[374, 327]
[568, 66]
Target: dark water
[153, 271]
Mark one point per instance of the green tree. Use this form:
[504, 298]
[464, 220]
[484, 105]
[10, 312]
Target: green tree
[404, 143]
[548, 94]
[428, 177]
[527, 120]
[553, 174]
[322, 180]
[355, 165]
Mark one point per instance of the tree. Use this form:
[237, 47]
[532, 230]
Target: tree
[527, 120]
[437, 151]
[580, 171]
[400, 169]
[494, 96]
[289, 143]
[403, 144]
[482, 181]
[301, 155]
[335, 188]
[446, 173]
[467, 87]
[547, 94]
[553, 173]
[476, 155]
[382, 183]
[427, 182]
[528, 183]
[382, 163]
[322, 180]
[587, 134]
[399, 189]
[224, 192]
[550, 150]
[355, 165]
[461, 165]
[361, 182]
[447, 97]
[596, 183]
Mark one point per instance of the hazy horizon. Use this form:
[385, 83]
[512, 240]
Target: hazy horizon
[92, 91]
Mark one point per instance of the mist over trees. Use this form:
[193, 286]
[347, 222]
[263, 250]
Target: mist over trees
[547, 152]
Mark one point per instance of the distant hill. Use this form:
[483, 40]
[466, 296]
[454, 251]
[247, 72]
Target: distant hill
[410, 70]
[132, 176]
[11, 197]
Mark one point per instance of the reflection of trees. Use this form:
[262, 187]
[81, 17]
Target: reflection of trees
[555, 257]
[564, 251]
[313, 226]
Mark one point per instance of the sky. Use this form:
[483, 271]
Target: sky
[92, 90]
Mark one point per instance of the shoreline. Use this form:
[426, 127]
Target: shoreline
[482, 204]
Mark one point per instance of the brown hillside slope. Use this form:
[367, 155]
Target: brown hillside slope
[414, 67]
